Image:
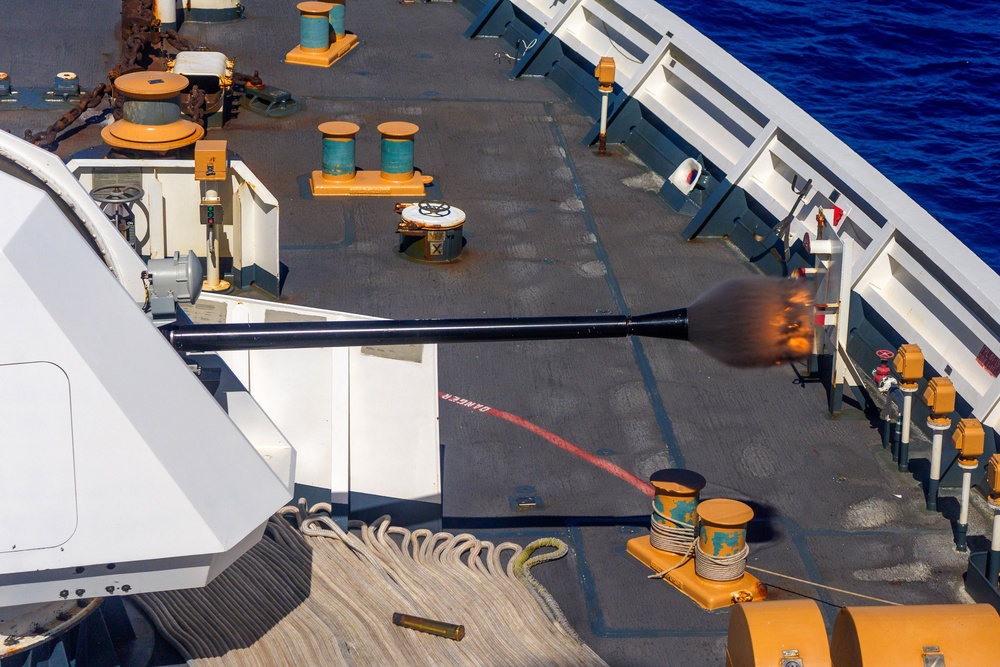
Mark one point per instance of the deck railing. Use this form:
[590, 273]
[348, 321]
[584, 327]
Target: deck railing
[925, 283]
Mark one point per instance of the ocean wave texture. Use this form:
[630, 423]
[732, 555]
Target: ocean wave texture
[913, 86]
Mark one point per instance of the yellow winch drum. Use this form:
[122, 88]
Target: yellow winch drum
[151, 113]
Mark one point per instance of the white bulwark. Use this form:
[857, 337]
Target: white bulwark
[926, 284]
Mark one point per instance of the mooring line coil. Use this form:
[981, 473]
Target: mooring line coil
[721, 568]
[669, 534]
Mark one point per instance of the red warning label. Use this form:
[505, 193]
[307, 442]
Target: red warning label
[989, 360]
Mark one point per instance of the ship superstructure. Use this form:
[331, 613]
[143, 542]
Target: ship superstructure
[462, 437]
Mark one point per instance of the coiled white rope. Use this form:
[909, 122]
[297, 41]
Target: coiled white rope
[682, 539]
[721, 568]
[674, 536]
[677, 537]
[310, 593]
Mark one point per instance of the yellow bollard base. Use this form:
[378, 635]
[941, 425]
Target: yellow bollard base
[223, 286]
[369, 184]
[708, 594]
[337, 50]
[154, 138]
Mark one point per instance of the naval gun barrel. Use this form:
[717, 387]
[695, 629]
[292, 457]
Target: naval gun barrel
[748, 322]
[275, 335]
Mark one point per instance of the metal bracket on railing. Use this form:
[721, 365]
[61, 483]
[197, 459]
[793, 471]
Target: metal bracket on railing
[783, 229]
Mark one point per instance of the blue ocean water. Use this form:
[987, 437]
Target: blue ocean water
[913, 86]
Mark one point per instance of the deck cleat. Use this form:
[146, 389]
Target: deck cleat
[65, 89]
[269, 101]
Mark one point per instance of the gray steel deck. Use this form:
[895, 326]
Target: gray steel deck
[553, 229]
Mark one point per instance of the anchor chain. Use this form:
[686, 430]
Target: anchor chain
[144, 47]
[196, 106]
[88, 100]
[252, 80]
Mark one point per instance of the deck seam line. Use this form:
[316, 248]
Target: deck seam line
[638, 351]
[595, 613]
[345, 242]
[467, 100]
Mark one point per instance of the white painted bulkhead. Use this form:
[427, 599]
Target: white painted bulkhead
[119, 470]
[361, 419]
[167, 218]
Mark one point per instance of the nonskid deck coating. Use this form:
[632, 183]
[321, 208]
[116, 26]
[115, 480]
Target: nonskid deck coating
[553, 230]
